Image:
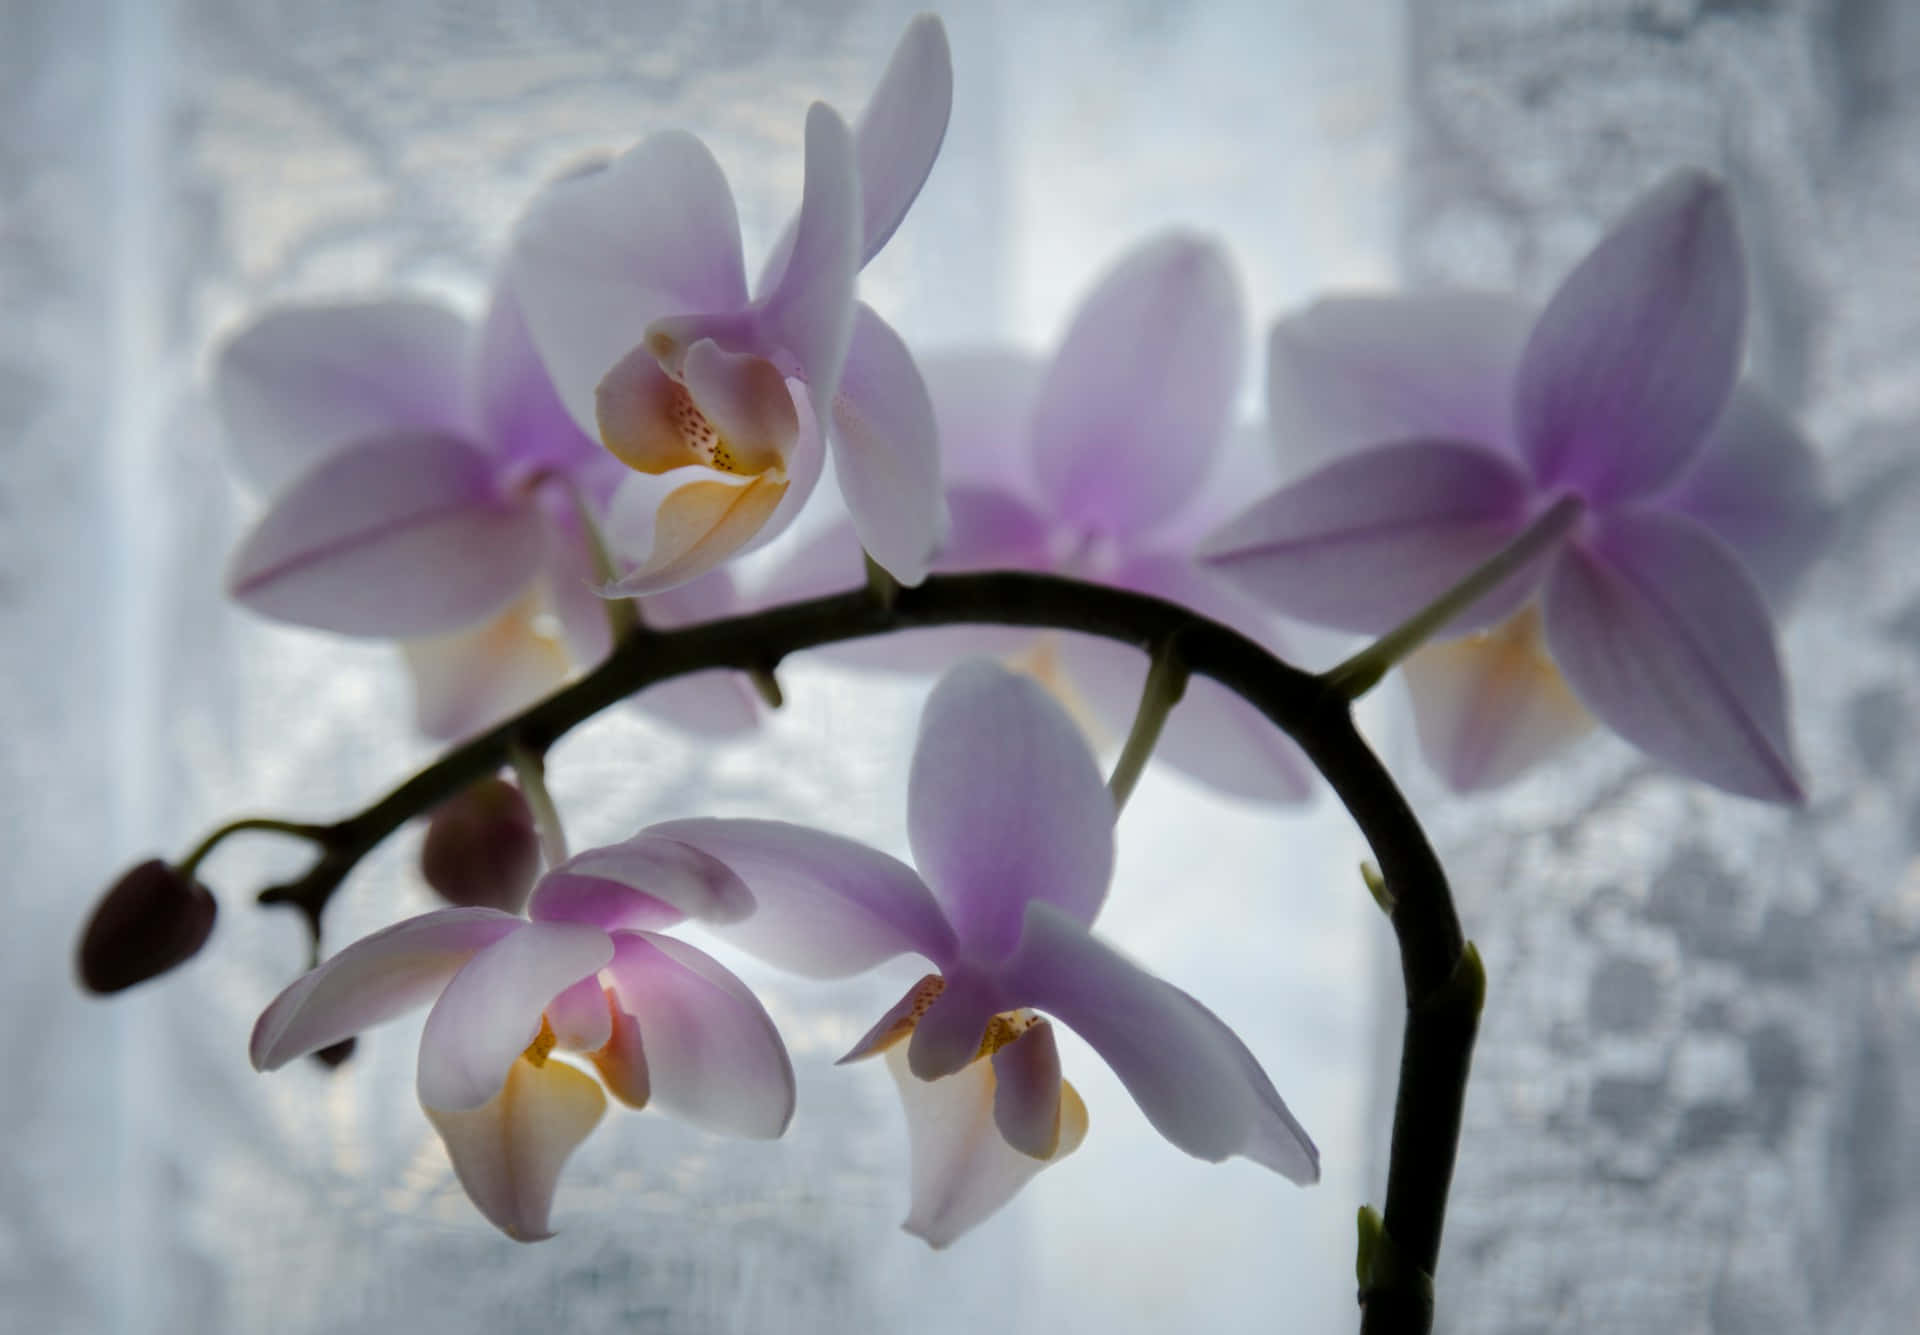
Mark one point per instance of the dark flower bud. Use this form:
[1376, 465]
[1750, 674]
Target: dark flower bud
[482, 849]
[334, 1055]
[153, 919]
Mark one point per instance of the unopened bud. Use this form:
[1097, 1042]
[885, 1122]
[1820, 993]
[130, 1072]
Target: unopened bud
[153, 919]
[482, 849]
[334, 1055]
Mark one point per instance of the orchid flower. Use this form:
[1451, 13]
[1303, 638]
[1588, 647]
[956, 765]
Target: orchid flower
[428, 487]
[635, 289]
[590, 975]
[1012, 828]
[1097, 465]
[1677, 503]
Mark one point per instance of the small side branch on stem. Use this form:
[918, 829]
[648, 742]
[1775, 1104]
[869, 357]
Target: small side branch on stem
[1166, 683]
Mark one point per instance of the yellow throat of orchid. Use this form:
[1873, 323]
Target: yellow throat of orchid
[543, 1043]
[725, 411]
[728, 420]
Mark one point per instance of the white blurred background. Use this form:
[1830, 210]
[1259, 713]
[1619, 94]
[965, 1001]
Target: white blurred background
[1695, 1105]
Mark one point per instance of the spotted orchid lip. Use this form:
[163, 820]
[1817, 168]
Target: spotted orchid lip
[732, 413]
[899, 1021]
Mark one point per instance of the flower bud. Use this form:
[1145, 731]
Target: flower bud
[335, 1055]
[482, 849]
[153, 919]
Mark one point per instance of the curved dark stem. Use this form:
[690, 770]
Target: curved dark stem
[1438, 967]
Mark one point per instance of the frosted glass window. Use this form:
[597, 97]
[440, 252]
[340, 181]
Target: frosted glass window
[1694, 1099]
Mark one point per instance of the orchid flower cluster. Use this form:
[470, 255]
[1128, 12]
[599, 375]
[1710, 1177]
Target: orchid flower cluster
[1549, 516]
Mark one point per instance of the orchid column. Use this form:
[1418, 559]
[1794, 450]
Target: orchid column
[1698, 1059]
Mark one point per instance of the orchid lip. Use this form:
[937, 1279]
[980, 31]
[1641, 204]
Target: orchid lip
[731, 413]
[899, 1022]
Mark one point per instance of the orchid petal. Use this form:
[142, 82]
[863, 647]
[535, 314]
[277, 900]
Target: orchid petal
[519, 409]
[687, 522]
[1027, 1102]
[1667, 640]
[1756, 485]
[885, 453]
[303, 381]
[509, 1151]
[900, 130]
[1490, 707]
[1090, 677]
[570, 582]
[828, 562]
[808, 315]
[1245, 465]
[899, 1020]
[580, 1017]
[983, 404]
[991, 529]
[602, 254]
[825, 907]
[1005, 806]
[644, 883]
[1371, 538]
[713, 596]
[1351, 372]
[1636, 353]
[716, 705]
[491, 1010]
[895, 140]
[471, 679]
[1142, 388]
[713, 1057]
[399, 535]
[1192, 1077]
[963, 1168]
[622, 1062]
[373, 980]
[806, 460]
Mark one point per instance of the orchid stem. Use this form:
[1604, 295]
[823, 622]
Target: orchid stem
[1166, 683]
[531, 769]
[1362, 672]
[317, 834]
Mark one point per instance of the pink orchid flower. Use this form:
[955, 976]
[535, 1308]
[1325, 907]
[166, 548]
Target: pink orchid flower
[655, 1019]
[635, 289]
[1012, 828]
[1453, 422]
[428, 487]
[1097, 464]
